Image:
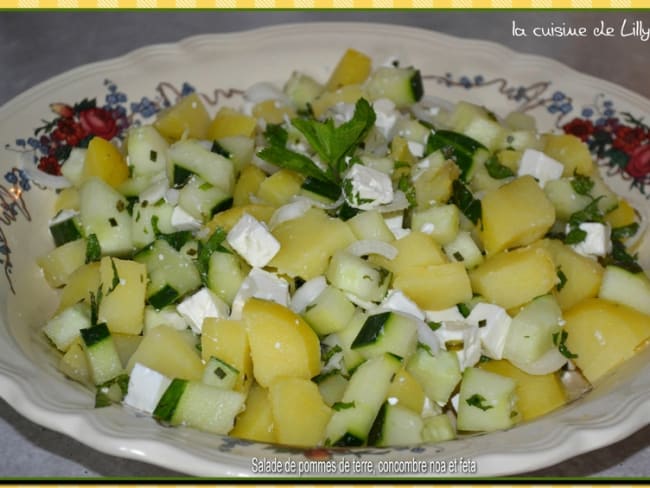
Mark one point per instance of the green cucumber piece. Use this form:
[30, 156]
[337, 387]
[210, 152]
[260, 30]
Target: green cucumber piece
[387, 332]
[466, 152]
[65, 227]
[103, 358]
[395, 425]
[403, 86]
[330, 312]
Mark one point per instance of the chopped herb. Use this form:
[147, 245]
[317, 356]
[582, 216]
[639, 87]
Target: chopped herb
[582, 185]
[113, 391]
[497, 170]
[338, 406]
[221, 374]
[120, 206]
[621, 258]
[434, 325]
[329, 353]
[404, 184]
[559, 340]
[294, 161]
[454, 345]
[153, 156]
[458, 256]
[113, 222]
[563, 279]
[482, 323]
[426, 347]
[478, 401]
[95, 302]
[575, 236]
[176, 239]
[93, 249]
[205, 186]
[116, 277]
[591, 213]
[276, 135]
[484, 359]
[462, 197]
[463, 309]
[625, 231]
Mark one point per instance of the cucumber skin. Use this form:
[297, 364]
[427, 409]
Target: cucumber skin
[169, 401]
[372, 329]
[95, 334]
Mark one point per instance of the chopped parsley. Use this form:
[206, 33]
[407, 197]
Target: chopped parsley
[338, 406]
[93, 249]
[478, 401]
[563, 279]
[559, 340]
[497, 170]
[582, 185]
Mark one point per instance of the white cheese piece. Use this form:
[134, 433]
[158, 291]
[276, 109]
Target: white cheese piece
[386, 116]
[171, 196]
[366, 188]
[253, 241]
[493, 324]
[201, 305]
[307, 293]
[395, 224]
[451, 314]
[542, 167]
[260, 284]
[343, 112]
[155, 192]
[146, 387]
[181, 220]
[468, 334]
[597, 242]
[397, 301]
[416, 148]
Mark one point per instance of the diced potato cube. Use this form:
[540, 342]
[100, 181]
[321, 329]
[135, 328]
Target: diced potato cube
[281, 342]
[228, 340]
[345, 94]
[510, 279]
[59, 264]
[272, 111]
[299, 413]
[124, 286]
[248, 183]
[188, 117]
[353, 68]
[515, 214]
[603, 334]
[308, 242]
[570, 151]
[104, 161]
[280, 187]
[228, 218]
[167, 351]
[255, 423]
[435, 287]
[82, 282]
[229, 122]
[415, 249]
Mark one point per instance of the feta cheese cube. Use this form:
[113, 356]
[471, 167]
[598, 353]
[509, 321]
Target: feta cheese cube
[542, 167]
[397, 301]
[343, 112]
[461, 334]
[201, 305]
[366, 188]
[416, 148]
[395, 224]
[260, 284]
[493, 324]
[146, 387]
[597, 242]
[307, 293]
[181, 220]
[386, 116]
[253, 241]
[451, 314]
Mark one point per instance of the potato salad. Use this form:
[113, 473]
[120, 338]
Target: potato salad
[341, 262]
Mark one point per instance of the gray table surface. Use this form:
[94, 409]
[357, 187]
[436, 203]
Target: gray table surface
[35, 46]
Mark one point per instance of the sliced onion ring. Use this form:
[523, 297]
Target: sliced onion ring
[365, 247]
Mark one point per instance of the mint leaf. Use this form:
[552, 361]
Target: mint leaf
[581, 184]
[338, 406]
[591, 213]
[478, 401]
[276, 135]
[575, 236]
[93, 249]
[497, 170]
[206, 249]
[462, 197]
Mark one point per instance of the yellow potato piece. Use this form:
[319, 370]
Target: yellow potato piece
[622, 215]
[281, 342]
[513, 278]
[229, 122]
[435, 287]
[272, 111]
[570, 151]
[256, 421]
[104, 161]
[536, 394]
[124, 286]
[415, 249]
[81, 283]
[408, 392]
[279, 188]
[59, 264]
[308, 242]
[515, 214]
[187, 118]
[603, 334]
[228, 340]
[228, 218]
[247, 185]
[168, 352]
[353, 68]
[345, 94]
[299, 413]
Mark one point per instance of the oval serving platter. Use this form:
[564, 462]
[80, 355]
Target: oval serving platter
[38, 127]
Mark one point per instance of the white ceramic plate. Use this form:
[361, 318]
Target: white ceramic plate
[134, 86]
